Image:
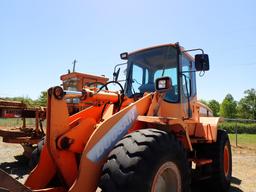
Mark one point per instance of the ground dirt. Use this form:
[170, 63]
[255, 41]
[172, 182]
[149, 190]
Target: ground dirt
[243, 179]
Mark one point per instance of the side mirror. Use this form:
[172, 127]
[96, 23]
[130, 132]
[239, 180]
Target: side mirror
[116, 74]
[202, 62]
[163, 84]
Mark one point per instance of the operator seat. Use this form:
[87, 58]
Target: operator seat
[149, 87]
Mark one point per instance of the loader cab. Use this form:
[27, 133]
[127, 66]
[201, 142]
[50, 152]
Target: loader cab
[147, 65]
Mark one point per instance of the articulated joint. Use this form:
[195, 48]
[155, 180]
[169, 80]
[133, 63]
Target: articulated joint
[65, 143]
[57, 91]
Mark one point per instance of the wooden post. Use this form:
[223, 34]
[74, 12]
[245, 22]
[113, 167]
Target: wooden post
[24, 122]
[37, 120]
[236, 134]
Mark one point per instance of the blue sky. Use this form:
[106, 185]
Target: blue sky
[40, 39]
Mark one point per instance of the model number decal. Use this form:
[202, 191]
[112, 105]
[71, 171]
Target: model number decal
[107, 142]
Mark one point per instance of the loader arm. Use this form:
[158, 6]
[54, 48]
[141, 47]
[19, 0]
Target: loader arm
[105, 136]
[83, 133]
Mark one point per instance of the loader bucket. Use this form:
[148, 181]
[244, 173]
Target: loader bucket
[9, 184]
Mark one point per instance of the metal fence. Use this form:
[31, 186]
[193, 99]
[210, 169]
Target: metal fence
[239, 121]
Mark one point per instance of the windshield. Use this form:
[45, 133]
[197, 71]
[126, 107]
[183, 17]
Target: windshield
[71, 84]
[145, 67]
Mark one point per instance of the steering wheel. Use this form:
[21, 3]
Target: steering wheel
[136, 96]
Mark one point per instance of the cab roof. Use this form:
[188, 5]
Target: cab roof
[163, 45]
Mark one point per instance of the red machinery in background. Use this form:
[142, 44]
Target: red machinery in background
[28, 133]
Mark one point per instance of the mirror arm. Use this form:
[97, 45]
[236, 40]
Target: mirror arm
[188, 71]
[198, 49]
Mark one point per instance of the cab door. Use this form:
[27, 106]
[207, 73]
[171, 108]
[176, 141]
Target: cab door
[188, 84]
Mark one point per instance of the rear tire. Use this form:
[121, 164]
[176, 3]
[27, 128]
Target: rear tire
[218, 173]
[147, 160]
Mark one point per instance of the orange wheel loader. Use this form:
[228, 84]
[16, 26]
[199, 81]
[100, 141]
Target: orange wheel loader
[151, 136]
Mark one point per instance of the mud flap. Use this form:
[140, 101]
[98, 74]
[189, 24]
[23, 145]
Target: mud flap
[7, 183]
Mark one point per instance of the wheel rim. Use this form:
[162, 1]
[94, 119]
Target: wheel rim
[226, 160]
[167, 179]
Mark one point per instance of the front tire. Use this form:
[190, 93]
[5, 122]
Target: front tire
[35, 156]
[147, 160]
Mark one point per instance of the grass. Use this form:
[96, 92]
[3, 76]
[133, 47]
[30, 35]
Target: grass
[16, 122]
[243, 140]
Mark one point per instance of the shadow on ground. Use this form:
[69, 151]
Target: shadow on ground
[17, 168]
[235, 181]
[235, 189]
[206, 186]
[20, 168]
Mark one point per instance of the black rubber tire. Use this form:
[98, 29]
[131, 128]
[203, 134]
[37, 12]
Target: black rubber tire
[135, 160]
[219, 180]
[35, 156]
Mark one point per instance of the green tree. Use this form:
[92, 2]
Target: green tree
[42, 100]
[247, 105]
[214, 106]
[228, 107]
